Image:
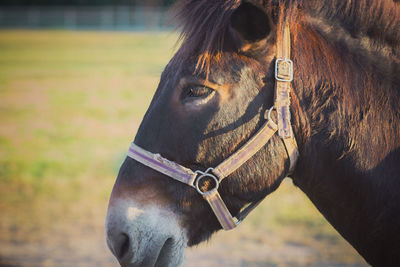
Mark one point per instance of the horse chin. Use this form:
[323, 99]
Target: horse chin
[171, 254]
[144, 236]
[196, 239]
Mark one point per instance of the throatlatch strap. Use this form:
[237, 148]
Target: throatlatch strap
[292, 151]
[247, 151]
[158, 163]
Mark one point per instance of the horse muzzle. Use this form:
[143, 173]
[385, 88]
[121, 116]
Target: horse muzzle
[140, 235]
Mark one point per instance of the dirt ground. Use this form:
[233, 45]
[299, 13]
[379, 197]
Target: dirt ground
[51, 239]
[86, 247]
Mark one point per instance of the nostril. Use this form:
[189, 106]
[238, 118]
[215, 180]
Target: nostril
[123, 246]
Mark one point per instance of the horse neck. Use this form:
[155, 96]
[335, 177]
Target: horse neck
[346, 120]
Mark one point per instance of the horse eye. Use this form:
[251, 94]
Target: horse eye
[198, 91]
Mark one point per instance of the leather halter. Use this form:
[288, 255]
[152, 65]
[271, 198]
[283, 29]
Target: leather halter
[284, 77]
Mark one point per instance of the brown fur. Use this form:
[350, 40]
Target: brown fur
[345, 110]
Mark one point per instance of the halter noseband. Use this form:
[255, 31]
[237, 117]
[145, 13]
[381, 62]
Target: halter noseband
[284, 77]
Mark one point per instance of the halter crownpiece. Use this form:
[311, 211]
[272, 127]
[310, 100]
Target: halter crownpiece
[284, 77]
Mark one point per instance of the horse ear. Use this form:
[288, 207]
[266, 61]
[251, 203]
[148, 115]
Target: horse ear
[250, 24]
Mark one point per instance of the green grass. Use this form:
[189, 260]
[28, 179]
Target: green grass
[70, 103]
[69, 100]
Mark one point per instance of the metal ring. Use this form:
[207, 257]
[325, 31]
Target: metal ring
[269, 112]
[206, 174]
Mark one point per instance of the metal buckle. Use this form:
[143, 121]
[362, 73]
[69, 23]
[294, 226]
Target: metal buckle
[284, 70]
[203, 175]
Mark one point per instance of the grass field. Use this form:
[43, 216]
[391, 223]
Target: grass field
[70, 103]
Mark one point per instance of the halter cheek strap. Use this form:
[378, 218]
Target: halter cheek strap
[284, 77]
[283, 85]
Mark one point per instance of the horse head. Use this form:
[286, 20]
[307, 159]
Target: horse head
[209, 103]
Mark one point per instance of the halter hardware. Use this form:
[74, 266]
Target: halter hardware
[284, 70]
[206, 174]
[284, 77]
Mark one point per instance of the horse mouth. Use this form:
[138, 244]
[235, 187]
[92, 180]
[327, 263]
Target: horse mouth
[169, 254]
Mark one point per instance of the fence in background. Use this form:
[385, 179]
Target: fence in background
[131, 18]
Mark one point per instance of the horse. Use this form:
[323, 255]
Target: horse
[341, 76]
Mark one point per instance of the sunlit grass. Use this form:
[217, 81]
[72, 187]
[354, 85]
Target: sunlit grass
[68, 100]
[70, 103]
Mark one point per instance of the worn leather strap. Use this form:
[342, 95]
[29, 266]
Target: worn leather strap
[284, 77]
[246, 151]
[161, 164]
[292, 151]
[220, 210]
[283, 86]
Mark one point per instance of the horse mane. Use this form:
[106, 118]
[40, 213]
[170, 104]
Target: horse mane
[352, 49]
[204, 24]
[378, 21]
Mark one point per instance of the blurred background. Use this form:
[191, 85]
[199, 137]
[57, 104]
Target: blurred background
[76, 78]
[128, 15]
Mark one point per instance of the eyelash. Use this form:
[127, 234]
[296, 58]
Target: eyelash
[198, 91]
